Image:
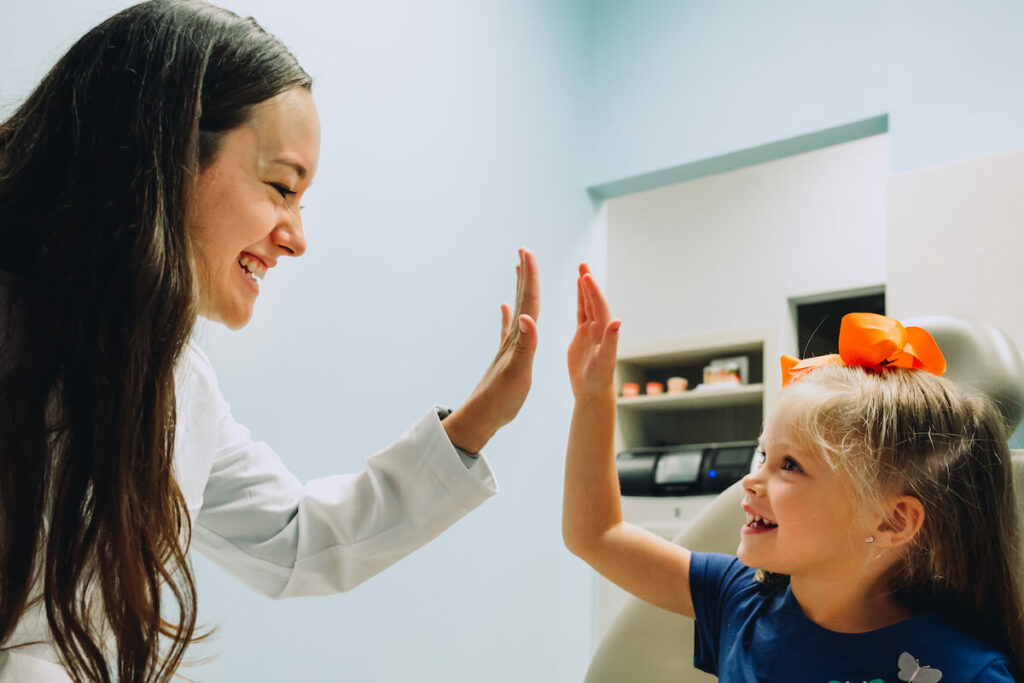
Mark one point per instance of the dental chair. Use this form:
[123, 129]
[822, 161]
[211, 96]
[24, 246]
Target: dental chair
[651, 645]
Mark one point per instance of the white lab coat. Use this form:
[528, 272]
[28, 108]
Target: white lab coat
[251, 516]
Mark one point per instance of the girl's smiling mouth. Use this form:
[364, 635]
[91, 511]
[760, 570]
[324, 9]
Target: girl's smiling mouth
[757, 523]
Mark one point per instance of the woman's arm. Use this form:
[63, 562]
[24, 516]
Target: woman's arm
[285, 538]
[496, 400]
[640, 562]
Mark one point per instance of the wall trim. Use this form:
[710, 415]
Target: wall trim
[771, 151]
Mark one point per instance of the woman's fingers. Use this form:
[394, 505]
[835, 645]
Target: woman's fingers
[506, 321]
[528, 294]
[519, 285]
[526, 343]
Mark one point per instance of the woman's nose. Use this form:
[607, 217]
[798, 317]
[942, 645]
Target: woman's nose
[290, 237]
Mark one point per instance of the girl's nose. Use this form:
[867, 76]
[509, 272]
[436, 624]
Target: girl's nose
[752, 483]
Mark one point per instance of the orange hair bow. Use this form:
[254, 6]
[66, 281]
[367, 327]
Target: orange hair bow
[869, 340]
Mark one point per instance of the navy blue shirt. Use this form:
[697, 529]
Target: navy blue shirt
[746, 633]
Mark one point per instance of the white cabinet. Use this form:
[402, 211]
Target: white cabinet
[712, 414]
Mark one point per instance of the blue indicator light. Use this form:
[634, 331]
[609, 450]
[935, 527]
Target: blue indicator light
[712, 473]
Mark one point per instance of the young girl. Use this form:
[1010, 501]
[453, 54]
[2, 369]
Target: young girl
[881, 520]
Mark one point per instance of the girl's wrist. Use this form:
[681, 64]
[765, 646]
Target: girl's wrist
[595, 396]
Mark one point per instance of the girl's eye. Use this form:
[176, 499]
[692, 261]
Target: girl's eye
[283, 190]
[790, 465]
[760, 456]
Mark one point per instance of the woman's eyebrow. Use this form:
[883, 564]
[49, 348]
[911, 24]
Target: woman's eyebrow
[299, 168]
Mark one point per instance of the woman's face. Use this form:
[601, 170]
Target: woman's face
[243, 208]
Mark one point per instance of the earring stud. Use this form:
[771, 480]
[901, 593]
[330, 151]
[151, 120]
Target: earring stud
[869, 539]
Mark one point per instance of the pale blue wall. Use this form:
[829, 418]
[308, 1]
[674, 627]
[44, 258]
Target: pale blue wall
[449, 140]
[675, 81]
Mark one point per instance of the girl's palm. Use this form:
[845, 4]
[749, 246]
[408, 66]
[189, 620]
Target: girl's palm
[592, 351]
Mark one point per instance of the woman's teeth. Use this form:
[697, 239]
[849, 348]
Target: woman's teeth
[252, 267]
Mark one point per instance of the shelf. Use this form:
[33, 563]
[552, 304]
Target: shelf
[748, 394]
[694, 350]
[712, 415]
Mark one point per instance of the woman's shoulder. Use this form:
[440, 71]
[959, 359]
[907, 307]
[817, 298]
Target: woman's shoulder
[198, 395]
[194, 372]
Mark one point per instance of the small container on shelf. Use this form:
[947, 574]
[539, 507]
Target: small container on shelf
[677, 385]
[655, 388]
[630, 389]
[722, 373]
[732, 370]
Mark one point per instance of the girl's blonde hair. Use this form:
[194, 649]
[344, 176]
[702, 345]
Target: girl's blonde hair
[908, 432]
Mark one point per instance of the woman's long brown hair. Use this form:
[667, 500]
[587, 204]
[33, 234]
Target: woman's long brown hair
[98, 293]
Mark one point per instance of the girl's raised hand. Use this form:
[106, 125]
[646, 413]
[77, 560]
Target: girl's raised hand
[592, 351]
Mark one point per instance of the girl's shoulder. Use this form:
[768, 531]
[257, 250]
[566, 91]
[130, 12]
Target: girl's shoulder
[944, 647]
[749, 628]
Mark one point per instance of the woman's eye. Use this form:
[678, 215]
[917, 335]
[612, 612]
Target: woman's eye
[283, 190]
[790, 465]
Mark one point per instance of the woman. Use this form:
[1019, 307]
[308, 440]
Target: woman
[155, 175]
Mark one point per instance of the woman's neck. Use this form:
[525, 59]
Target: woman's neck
[848, 607]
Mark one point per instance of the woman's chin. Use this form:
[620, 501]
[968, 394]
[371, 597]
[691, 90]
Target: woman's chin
[233, 318]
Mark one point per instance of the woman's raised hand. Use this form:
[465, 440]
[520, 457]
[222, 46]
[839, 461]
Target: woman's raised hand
[592, 351]
[496, 400]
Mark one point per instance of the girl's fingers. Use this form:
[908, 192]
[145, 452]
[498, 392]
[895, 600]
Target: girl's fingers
[600, 303]
[588, 304]
[581, 314]
[610, 332]
[597, 306]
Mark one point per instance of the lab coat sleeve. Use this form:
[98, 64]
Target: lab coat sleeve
[287, 539]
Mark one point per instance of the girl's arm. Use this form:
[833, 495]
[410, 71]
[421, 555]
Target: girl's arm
[640, 562]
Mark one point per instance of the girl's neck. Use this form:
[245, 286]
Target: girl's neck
[846, 607]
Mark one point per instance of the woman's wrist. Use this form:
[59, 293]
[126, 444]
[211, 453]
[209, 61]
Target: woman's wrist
[466, 431]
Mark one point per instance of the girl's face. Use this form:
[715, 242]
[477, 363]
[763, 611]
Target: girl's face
[243, 208]
[811, 525]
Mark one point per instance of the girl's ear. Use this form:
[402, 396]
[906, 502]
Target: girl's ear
[905, 518]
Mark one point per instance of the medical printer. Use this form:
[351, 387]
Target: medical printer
[696, 469]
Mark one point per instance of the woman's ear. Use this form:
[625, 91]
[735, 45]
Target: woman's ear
[904, 519]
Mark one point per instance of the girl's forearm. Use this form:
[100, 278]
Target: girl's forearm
[591, 503]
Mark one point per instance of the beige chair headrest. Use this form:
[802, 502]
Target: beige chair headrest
[980, 357]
